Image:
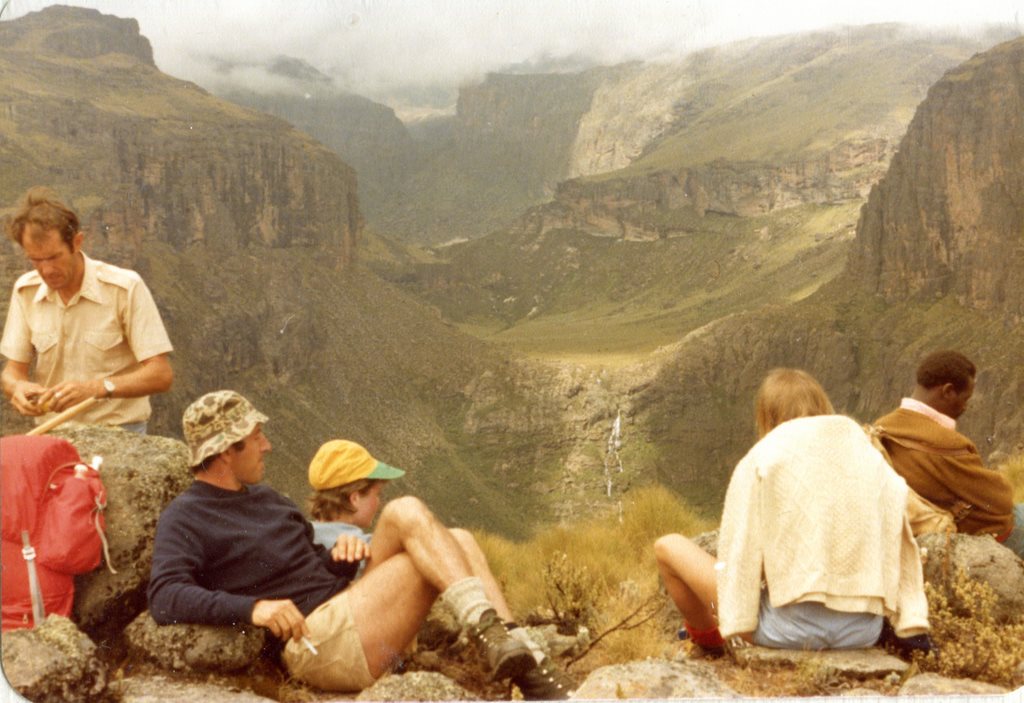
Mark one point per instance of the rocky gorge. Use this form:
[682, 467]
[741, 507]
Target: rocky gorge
[246, 230]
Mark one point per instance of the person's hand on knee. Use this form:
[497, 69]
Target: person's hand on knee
[281, 617]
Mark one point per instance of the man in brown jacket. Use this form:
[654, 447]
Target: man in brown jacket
[943, 465]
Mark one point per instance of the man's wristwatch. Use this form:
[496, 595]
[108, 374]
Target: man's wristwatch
[109, 387]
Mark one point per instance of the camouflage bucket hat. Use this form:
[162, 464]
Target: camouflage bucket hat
[216, 421]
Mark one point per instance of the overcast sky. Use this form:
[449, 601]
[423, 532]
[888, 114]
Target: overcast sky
[380, 47]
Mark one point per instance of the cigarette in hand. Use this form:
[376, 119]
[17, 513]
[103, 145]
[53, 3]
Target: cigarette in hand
[309, 646]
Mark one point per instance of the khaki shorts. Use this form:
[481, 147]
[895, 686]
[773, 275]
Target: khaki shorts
[341, 664]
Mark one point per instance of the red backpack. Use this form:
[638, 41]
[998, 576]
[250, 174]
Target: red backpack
[50, 494]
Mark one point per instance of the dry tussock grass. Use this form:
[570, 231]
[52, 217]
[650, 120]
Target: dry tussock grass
[599, 574]
[1014, 469]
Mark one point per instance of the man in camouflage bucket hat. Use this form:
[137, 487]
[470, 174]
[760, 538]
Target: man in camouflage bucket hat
[216, 421]
[230, 550]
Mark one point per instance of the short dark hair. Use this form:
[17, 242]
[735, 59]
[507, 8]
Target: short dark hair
[205, 463]
[947, 366]
[42, 209]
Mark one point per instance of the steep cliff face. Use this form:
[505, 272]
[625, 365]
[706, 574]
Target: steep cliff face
[948, 219]
[149, 156]
[748, 129]
[507, 146]
[77, 33]
[530, 122]
[636, 207]
[366, 135]
[937, 264]
[633, 106]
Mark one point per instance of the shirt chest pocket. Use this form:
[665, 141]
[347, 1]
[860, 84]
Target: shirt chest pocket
[103, 340]
[105, 350]
[44, 342]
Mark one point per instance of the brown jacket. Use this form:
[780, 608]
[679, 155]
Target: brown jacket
[944, 466]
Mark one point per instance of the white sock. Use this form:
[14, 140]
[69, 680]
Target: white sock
[467, 600]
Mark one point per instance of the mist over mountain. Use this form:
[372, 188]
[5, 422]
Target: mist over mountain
[738, 118]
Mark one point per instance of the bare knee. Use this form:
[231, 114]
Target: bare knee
[405, 514]
[465, 538]
[665, 546]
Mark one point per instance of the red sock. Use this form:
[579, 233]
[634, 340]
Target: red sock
[708, 639]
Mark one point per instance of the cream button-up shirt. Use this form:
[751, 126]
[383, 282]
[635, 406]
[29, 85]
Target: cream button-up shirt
[109, 326]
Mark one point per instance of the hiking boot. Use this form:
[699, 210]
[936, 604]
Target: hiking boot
[545, 682]
[506, 656]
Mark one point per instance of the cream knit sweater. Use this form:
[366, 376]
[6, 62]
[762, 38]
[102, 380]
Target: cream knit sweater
[815, 511]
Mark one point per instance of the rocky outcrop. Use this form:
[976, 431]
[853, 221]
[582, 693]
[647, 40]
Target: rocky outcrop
[152, 157]
[943, 686]
[194, 648]
[78, 33]
[984, 560]
[141, 474]
[366, 135]
[862, 664]
[530, 121]
[632, 107]
[54, 663]
[744, 129]
[416, 686]
[653, 679]
[162, 689]
[504, 150]
[944, 220]
[636, 207]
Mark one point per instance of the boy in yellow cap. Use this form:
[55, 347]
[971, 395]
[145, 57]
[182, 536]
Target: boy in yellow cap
[347, 483]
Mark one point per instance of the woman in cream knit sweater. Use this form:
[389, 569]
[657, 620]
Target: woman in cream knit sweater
[814, 547]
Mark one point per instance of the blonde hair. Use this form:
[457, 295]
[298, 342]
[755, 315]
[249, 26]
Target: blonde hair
[786, 394]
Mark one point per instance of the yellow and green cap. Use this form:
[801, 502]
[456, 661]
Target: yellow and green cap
[341, 461]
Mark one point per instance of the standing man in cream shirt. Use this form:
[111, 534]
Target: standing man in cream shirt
[91, 328]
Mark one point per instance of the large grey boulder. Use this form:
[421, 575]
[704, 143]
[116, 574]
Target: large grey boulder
[161, 689]
[54, 663]
[983, 559]
[654, 679]
[194, 647]
[415, 686]
[141, 474]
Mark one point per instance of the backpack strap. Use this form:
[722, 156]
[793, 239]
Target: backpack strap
[28, 553]
[960, 508]
[882, 433]
[100, 507]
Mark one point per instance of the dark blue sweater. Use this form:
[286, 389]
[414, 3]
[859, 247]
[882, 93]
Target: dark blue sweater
[217, 552]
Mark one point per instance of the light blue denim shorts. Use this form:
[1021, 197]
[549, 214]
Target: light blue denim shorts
[813, 626]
